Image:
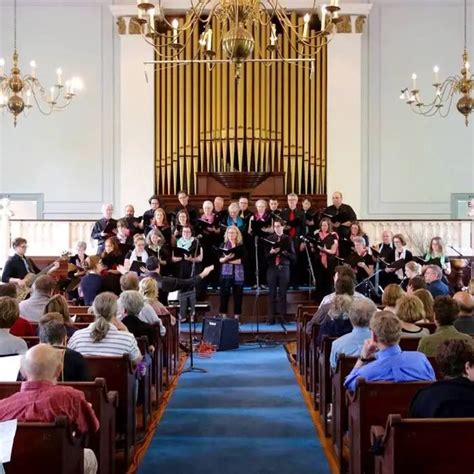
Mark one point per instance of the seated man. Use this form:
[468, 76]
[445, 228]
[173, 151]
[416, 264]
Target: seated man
[9, 313]
[42, 401]
[33, 308]
[465, 320]
[445, 313]
[390, 364]
[53, 331]
[351, 344]
[434, 285]
[452, 397]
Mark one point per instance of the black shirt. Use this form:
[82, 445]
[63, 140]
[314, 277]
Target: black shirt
[18, 267]
[451, 398]
[340, 214]
[169, 284]
[75, 367]
[103, 225]
[287, 250]
[297, 222]
[139, 328]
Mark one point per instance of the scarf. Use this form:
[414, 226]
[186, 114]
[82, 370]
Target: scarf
[185, 244]
[134, 256]
[239, 222]
[230, 271]
[208, 219]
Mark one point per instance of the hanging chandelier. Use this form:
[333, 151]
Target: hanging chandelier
[445, 91]
[18, 92]
[236, 19]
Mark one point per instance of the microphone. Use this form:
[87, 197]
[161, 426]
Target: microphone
[304, 239]
[198, 237]
[456, 250]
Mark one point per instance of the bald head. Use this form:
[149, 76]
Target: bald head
[465, 302]
[41, 362]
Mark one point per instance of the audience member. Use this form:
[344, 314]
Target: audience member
[58, 304]
[340, 270]
[21, 327]
[427, 299]
[360, 313]
[465, 320]
[390, 296]
[409, 310]
[91, 283]
[9, 313]
[435, 286]
[416, 283]
[52, 330]
[445, 311]
[390, 364]
[337, 323]
[41, 400]
[32, 308]
[103, 337]
[452, 397]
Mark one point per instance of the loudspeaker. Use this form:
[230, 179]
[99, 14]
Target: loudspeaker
[223, 333]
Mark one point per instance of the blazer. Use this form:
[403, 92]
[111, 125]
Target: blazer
[15, 268]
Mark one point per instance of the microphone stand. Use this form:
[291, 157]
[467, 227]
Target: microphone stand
[311, 269]
[368, 284]
[191, 367]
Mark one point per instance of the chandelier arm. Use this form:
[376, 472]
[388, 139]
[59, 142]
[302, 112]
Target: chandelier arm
[39, 105]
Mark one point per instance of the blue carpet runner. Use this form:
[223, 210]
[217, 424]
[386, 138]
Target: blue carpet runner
[245, 416]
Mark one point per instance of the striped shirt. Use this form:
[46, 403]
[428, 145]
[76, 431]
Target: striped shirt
[115, 343]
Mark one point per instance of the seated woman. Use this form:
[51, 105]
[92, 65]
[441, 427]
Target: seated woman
[427, 299]
[149, 290]
[187, 257]
[337, 323]
[182, 219]
[232, 272]
[51, 330]
[357, 231]
[452, 397]
[106, 336]
[21, 327]
[437, 256]
[92, 283]
[400, 253]
[112, 256]
[138, 254]
[9, 313]
[160, 222]
[390, 296]
[123, 236]
[409, 310]
[364, 267]
[412, 270]
[58, 304]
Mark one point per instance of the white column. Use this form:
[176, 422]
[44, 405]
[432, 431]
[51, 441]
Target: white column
[136, 120]
[344, 112]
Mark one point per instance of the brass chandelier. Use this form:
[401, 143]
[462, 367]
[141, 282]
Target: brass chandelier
[445, 91]
[237, 18]
[18, 92]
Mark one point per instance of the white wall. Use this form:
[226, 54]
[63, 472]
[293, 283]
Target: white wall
[68, 156]
[413, 163]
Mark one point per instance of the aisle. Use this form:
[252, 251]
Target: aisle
[246, 415]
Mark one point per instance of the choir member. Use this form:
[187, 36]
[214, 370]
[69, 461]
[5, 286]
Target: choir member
[186, 257]
[182, 219]
[364, 265]
[18, 265]
[342, 216]
[260, 227]
[92, 283]
[400, 253]
[279, 253]
[309, 217]
[105, 227]
[112, 256]
[183, 199]
[149, 215]
[232, 271]
[273, 206]
[156, 246]
[435, 252]
[294, 226]
[384, 253]
[326, 247]
[124, 236]
[357, 231]
[245, 213]
[132, 222]
[219, 211]
[233, 217]
[138, 254]
[160, 222]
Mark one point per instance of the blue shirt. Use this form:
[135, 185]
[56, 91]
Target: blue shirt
[438, 288]
[349, 344]
[393, 365]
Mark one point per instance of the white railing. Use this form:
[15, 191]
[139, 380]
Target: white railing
[48, 238]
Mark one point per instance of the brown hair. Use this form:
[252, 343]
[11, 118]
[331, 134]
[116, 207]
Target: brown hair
[452, 356]
[18, 241]
[410, 309]
[400, 237]
[417, 283]
[115, 247]
[129, 281]
[391, 294]
[44, 284]
[104, 309]
[427, 299]
[387, 327]
[445, 310]
[8, 289]
[58, 304]
[9, 312]
[91, 262]
[344, 286]
[165, 218]
[329, 223]
[345, 270]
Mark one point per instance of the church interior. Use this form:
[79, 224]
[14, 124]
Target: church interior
[236, 236]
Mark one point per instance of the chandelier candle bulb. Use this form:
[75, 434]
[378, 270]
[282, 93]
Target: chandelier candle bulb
[59, 73]
[209, 40]
[51, 91]
[151, 15]
[175, 25]
[2, 65]
[413, 77]
[306, 19]
[323, 18]
[436, 74]
[33, 69]
[273, 35]
[28, 97]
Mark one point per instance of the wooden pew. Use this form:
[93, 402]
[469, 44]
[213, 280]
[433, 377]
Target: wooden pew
[409, 343]
[324, 376]
[170, 348]
[46, 447]
[369, 405]
[31, 340]
[339, 406]
[120, 376]
[304, 313]
[104, 404]
[73, 309]
[434, 445]
[144, 387]
[311, 361]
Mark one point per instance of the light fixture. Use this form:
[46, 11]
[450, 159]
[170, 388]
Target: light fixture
[236, 19]
[445, 91]
[17, 91]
